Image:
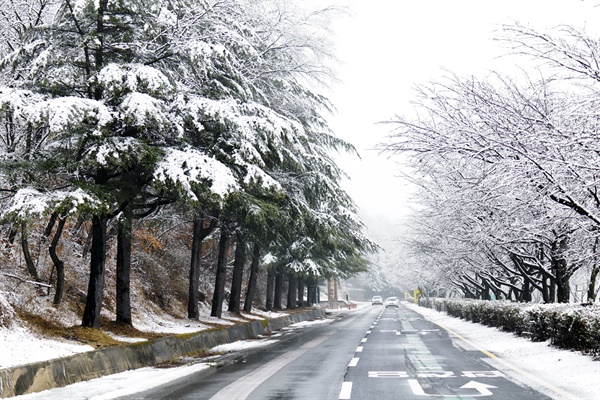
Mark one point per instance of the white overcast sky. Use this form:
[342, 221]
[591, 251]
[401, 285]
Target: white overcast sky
[389, 46]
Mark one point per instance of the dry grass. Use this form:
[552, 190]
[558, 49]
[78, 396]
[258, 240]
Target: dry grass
[49, 329]
[126, 330]
[96, 338]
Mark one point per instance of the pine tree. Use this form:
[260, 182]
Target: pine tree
[134, 105]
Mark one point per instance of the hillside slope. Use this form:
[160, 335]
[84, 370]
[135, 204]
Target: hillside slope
[159, 286]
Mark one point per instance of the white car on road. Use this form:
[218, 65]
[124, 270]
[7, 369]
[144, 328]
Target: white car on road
[392, 302]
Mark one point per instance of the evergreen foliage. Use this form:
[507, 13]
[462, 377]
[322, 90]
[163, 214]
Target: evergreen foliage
[209, 108]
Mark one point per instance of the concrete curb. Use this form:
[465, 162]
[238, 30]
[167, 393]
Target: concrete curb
[64, 371]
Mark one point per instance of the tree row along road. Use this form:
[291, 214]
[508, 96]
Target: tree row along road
[374, 353]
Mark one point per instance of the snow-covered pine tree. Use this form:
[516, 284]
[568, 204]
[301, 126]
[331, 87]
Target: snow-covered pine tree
[140, 103]
[284, 132]
[101, 110]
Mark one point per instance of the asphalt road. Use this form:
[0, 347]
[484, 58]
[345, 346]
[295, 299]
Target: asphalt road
[373, 353]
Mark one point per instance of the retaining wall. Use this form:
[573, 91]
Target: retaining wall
[64, 371]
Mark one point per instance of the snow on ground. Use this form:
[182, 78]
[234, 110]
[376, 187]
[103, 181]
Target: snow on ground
[117, 385]
[20, 345]
[304, 324]
[241, 345]
[560, 374]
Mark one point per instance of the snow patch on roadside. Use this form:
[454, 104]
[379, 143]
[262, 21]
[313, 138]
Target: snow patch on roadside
[21, 346]
[242, 345]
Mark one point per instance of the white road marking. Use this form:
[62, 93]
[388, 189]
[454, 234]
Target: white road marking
[439, 374]
[354, 362]
[482, 388]
[388, 374]
[364, 340]
[483, 374]
[346, 392]
[416, 387]
[359, 349]
[436, 374]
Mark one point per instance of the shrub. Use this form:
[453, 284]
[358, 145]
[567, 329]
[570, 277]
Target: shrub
[568, 326]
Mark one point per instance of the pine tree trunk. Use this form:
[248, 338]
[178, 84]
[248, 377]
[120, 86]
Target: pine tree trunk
[238, 274]
[291, 294]
[199, 233]
[58, 263]
[27, 255]
[278, 289]
[300, 292]
[253, 278]
[12, 234]
[93, 304]
[50, 225]
[123, 290]
[270, 289]
[310, 293]
[219, 293]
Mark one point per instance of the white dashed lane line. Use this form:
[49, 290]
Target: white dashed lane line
[346, 392]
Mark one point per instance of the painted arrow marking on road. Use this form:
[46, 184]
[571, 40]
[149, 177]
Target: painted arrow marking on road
[482, 388]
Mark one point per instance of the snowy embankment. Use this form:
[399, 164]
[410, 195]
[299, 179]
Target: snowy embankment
[21, 345]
